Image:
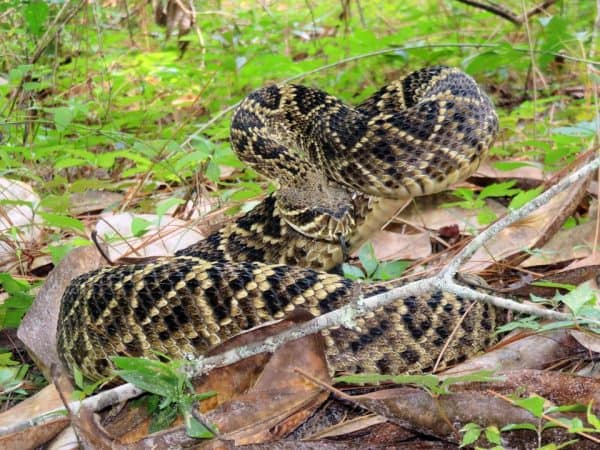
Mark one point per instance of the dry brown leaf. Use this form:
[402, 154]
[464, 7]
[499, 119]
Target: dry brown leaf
[527, 177]
[20, 218]
[442, 416]
[389, 245]
[66, 440]
[172, 235]
[427, 212]
[374, 431]
[349, 426]
[45, 400]
[558, 387]
[38, 328]
[531, 232]
[92, 200]
[418, 410]
[579, 271]
[590, 340]
[565, 245]
[536, 351]
[176, 15]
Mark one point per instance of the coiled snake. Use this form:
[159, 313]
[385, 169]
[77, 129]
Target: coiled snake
[342, 172]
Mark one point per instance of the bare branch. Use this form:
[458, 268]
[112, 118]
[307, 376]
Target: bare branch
[539, 8]
[498, 10]
[506, 13]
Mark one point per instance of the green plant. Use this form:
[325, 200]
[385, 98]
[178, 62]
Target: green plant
[372, 269]
[19, 299]
[173, 392]
[581, 303]
[536, 406]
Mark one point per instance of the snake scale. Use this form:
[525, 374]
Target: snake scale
[342, 172]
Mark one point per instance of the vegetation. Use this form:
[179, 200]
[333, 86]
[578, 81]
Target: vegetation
[98, 98]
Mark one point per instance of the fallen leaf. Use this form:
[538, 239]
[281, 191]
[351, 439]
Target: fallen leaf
[577, 272]
[531, 232]
[32, 437]
[535, 351]
[429, 213]
[557, 387]
[18, 222]
[259, 399]
[38, 328]
[527, 177]
[390, 245]
[565, 245]
[66, 440]
[92, 200]
[590, 341]
[164, 235]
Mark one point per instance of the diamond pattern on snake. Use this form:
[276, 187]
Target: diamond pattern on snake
[342, 172]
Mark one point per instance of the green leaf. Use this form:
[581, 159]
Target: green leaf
[592, 419]
[58, 252]
[367, 258]
[492, 434]
[426, 381]
[570, 223]
[18, 302]
[163, 418]
[35, 14]
[6, 359]
[390, 270]
[575, 424]
[510, 165]
[212, 172]
[486, 216]
[63, 116]
[533, 404]
[352, 272]
[150, 375]
[140, 226]
[13, 285]
[519, 426]
[579, 297]
[165, 205]
[553, 284]
[481, 376]
[60, 221]
[78, 377]
[471, 431]
[194, 428]
[582, 129]
[524, 197]
[193, 160]
[499, 190]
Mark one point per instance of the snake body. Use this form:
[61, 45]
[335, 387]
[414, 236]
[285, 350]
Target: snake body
[342, 172]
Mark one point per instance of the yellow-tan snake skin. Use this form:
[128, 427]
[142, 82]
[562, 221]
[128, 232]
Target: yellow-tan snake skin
[342, 172]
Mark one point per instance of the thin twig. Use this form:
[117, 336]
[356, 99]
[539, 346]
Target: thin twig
[539, 8]
[498, 10]
[506, 13]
